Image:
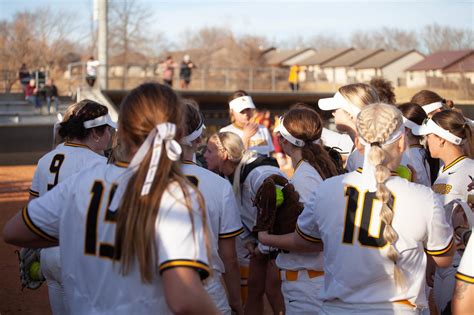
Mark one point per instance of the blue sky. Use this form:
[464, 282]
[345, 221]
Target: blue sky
[277, 20]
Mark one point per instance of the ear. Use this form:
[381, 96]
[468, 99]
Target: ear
[224, 155]
[358, 145]
[402, 144]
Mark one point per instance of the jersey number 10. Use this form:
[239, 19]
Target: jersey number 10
[366, 206]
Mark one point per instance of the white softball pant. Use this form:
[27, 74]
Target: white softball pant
[51, 269]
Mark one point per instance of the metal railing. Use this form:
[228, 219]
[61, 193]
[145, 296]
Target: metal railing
[219, 78]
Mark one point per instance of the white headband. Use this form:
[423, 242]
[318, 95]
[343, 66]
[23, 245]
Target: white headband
[410, 124]
[164, 132]
[429, 126]
[287, 135]
[100, 121]
[241, 103]
[187, 140]
[368, 170]
[432, 107]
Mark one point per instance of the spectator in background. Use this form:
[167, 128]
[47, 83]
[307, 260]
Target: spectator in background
[51, 93]
[168, 74]
[24, 76]
[185, 72]
[384, 90]
[293, 78]
[31, 94]
[91, 71]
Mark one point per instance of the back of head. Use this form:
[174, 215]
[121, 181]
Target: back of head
[192, 116]
[72, 126]
[359, 94]
[425, 97]
[413, 112]
[384, 90]
[305, 124]
[455, 123]
[375, 125]
[145, 107]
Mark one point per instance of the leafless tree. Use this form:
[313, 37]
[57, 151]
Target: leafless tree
[437, 37]
[385, 38]
[323, 41]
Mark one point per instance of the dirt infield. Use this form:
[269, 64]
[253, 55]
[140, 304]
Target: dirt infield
[14, 184]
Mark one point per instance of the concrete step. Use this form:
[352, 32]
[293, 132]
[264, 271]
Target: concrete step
[36, 119]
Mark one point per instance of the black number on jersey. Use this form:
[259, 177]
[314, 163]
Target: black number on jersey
[91, 243]
[193, 179]
[352, 208]
[54, 168]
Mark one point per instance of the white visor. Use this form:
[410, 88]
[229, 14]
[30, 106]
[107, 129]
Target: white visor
[100, 121]
[193, 135]
[411, 125]
[287, 135]
[336, 102]
[241, 103]
[432, 107]
[429, 126]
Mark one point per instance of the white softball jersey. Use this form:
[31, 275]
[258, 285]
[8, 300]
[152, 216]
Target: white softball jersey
[65, 160]
[415, 156]
[466, 267]
[339, 141]
[306, 180]
[223, 213]
[261, 142]
[453, 180]
[77, 213]
[347, 220]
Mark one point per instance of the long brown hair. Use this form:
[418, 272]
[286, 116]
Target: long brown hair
[425, 97]
[455, 123]
[375, 124]
[305, 124]
[142, 109]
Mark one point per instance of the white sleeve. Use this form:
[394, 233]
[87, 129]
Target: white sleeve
[43, 215]
[466, 267]
[230, 224]
[35, 184]
[307, 226]
[180, 240]
[440, 233]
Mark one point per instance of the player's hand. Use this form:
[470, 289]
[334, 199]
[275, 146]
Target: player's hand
[250, 129]
[262, 236]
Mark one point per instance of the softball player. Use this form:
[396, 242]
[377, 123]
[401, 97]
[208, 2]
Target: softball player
[347, 103]
[449, 138]
[225, 154]
[374, 261]
[255, 137]
[223, 215]
[302, 273]
[132, 239]
[415, 154]
[87, 133]
[463, 297]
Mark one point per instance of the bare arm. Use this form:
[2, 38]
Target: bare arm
[16, 232]
[291, 242]
[232, 273]
[463, 298]
[444, 260]
[184, 292]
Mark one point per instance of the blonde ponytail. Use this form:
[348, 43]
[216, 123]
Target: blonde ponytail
[375, 124]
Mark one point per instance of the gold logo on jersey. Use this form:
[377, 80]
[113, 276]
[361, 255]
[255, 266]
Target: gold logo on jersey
[442, 189]
[257, 143]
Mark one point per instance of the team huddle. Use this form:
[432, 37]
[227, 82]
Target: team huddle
[375, 219]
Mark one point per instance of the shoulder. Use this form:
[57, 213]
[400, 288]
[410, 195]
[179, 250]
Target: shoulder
[228, 128]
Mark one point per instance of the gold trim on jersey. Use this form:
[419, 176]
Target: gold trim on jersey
[405, 302]
[33, 193]
[298, 164]
[203, 268]
[465, 278]
[121, 164]
[188, 162]
[34, 228]
[231, 234]
[306, 236]
[77, 145]
[456, 161]
[440, 251]
[416, 146]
